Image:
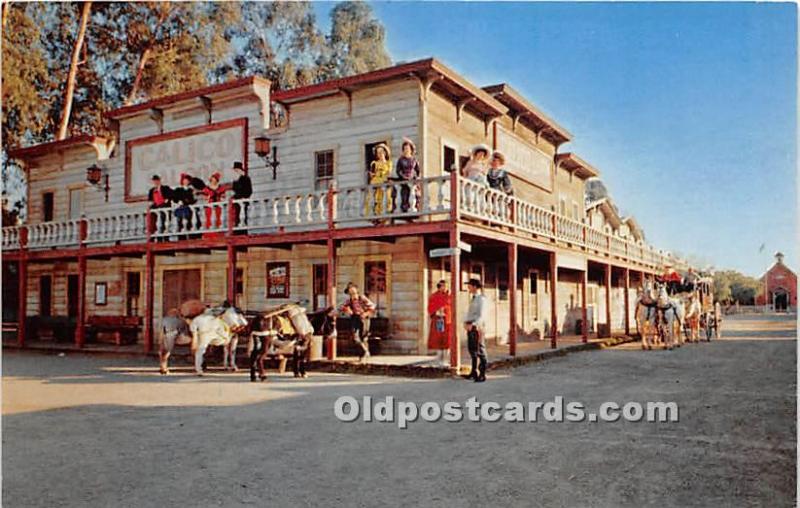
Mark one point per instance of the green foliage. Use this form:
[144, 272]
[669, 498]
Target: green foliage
[732, 286]
[357, 40]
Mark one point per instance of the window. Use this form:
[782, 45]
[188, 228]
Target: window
[75, 203]
[534, 279]
[47, 206]
[575, 212]
[375, 282]
[562, 207]
[533, 291]
[239, 281]
[319, 276]
[502, 282]
[100, 293]
[73, 287]
[323, 169]
[278, 280]
[449, 159]
[133, 291]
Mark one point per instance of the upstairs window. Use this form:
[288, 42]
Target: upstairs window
[323, 169]
[48, 203]
[449, 159]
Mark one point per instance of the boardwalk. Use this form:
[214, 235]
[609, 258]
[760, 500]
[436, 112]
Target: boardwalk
[93, 431]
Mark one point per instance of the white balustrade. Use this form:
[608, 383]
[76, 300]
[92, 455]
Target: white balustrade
[131, 226]
[273, 212]
[533, 218]
[11, 238]
[569, 230]
[45, 235]
[394, 199]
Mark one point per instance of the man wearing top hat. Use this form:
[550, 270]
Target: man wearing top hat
[159, 196]
[242, 189]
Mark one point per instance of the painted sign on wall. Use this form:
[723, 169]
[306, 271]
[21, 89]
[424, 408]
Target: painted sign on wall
[525, 160]
[199, 151]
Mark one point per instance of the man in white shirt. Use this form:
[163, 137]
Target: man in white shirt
[474, 323]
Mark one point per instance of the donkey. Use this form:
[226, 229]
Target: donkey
[214, 327]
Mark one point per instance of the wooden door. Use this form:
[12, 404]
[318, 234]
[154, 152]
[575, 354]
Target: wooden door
[45, 295]
[72, 295]
[180, 285]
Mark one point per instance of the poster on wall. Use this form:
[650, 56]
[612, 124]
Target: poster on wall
[278, 280]
[525, 160]
[199, 151]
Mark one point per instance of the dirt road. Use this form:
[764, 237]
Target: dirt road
[88, 431]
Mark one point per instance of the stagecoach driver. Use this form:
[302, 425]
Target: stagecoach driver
[359, 309]
[474, 323]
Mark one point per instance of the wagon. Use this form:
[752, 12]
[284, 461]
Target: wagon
[711, 311]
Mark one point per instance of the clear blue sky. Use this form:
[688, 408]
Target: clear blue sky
[688, 110]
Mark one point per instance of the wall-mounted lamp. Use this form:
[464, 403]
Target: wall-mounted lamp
[94, 175]
[269, 153]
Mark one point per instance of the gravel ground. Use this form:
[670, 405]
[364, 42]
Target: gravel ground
[90, 431]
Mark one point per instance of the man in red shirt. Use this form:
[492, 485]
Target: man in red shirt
[159, 196]
[359, 309]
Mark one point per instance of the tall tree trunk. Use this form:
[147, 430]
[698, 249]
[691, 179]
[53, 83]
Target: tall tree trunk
[138, 79]
[66, 110]
[6, 7]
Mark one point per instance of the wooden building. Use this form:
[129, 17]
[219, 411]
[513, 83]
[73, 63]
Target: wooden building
[93, 249]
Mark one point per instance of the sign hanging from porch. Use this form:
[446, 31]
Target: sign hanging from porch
[278, 280]
[525, 160]
[199, 151]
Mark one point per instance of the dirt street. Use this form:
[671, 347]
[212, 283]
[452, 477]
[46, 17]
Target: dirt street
[91, 431]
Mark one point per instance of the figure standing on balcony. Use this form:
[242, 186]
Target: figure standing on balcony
[408, 171]
[242, 189]
[378, 174]
[477, 166]
[498, 177]
[184, 197]
[159, 196]
[359, 309]
[214, 193]
[439, 310]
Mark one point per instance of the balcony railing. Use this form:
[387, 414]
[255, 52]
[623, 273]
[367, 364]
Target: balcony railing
[422, 200]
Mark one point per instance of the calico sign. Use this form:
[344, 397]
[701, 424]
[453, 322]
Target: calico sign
[199, 151]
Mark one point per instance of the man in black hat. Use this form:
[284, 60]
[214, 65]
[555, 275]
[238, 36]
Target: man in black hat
[242, 189]
[159, 196]
[474, 323]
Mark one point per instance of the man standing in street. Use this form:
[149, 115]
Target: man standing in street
[474, 324]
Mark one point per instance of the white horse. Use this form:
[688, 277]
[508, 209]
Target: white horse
[669, 316]
[645, 314]
[208, 329]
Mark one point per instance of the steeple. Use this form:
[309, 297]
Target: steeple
[779, 257]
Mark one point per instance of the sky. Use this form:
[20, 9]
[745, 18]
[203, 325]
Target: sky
[689, 110]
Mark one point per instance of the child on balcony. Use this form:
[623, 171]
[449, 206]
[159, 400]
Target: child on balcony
[379, 170]
[214, 193]
[408, 170]
[184, 197]
[498, 177]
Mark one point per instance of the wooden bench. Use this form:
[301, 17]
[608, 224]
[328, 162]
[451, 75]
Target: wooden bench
[58, 328]
[122, 329]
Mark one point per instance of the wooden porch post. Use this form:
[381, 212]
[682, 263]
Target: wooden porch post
[22, 290]
[80, 330]
[627, 302]
[149, 275]
[608, 298]
[512, 299]
[231, 274]
[455, 273]
[331, 245]
[332, 293]
[584, 309]
[553, 300]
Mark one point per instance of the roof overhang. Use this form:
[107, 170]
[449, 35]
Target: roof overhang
[634, 226]
[529, 114]
[608, 210]
[250, 86]
[101, 145]
[442, 79]
[572, 162]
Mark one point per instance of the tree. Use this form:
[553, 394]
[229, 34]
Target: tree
[357, 41]
[730, 285]
[25, 75]
[77, 47]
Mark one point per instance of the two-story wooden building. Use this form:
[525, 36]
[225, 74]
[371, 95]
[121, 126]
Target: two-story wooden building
[311, 226]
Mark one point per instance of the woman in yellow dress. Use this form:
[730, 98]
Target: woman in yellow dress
[379, 170]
